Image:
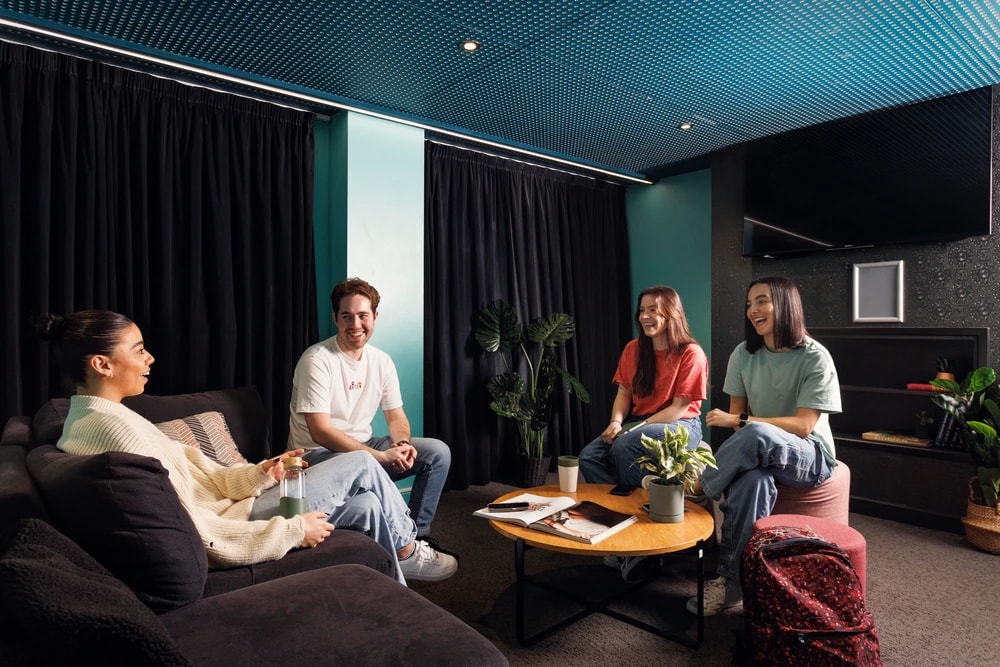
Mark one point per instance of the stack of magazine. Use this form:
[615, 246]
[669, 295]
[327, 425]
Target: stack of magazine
[584, 521]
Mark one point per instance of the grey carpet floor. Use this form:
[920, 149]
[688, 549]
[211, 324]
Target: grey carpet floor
[935, 599]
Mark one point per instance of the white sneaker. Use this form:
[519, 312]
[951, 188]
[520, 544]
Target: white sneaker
[718, 596]
[633, 568]
[426, 564]
[614, 562]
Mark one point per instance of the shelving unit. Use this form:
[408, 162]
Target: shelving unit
[917, 485]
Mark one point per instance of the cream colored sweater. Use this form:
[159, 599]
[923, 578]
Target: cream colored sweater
[217, 498]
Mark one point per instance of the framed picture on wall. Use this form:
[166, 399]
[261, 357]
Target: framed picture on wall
[878, 292]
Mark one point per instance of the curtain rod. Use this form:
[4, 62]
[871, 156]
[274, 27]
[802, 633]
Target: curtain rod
[312, 99]
[480, 151]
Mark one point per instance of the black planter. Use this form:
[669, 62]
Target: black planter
[534, 470]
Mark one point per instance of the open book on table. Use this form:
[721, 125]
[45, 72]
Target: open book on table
[585, 521]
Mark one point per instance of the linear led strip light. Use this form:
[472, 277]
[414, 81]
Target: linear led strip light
[304, 97]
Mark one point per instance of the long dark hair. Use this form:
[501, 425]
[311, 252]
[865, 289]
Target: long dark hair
[789, 318]
[668, 303]
[79, 336]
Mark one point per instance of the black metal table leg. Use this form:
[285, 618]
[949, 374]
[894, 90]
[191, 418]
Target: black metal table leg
[602, 606]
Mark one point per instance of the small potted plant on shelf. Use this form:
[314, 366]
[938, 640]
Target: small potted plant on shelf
[973, 405]
[945, 369]
[527, 399]
[676, 468]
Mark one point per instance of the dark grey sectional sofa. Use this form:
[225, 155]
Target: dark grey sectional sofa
[99, 560]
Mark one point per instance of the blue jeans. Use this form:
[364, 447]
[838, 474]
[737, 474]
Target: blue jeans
[601, 463]
[431, 470]
[749, 463]
[358, 495]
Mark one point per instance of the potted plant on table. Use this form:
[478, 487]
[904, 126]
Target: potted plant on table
[676, 468]
[973, 405]
[527, 399]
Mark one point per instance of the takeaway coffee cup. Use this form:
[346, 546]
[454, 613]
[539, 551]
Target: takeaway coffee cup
[569, 468]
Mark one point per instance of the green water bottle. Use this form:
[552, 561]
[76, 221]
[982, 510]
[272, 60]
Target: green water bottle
[292, 499]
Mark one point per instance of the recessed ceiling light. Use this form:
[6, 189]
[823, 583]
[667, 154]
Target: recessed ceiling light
[470, 46]
[686, 125]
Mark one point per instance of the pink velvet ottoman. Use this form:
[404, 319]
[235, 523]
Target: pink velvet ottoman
[830, 500]
[830, 530]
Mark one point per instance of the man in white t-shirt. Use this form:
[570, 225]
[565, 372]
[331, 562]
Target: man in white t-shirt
[339, 385]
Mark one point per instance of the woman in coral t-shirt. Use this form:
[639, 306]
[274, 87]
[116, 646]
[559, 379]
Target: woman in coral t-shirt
[662, 379]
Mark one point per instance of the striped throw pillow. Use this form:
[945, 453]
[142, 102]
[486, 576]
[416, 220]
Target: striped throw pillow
[209, 432]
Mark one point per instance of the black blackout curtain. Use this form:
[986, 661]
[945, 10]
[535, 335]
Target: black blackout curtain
[544, 240]
[190, 211]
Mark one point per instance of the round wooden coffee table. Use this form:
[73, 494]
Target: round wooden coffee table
[645, 537]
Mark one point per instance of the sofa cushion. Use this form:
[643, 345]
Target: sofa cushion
[206, 431]
[340, 615]
[341, 547]
[60, 607]
[242, 407]
[49, 420]
[123, 510]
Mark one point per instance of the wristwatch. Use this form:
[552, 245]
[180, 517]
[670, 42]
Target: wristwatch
[744, 418]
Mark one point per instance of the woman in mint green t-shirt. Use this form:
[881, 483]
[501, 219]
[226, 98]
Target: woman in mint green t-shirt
[782, 387]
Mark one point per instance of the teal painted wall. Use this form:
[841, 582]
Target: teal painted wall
[670, 243]
[329, 213]
[372, 227]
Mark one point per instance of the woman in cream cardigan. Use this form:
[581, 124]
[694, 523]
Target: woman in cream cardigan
[234, 508]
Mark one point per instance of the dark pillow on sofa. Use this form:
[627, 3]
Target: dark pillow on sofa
[59, 607]
[49, 420]
[242, 407]
[123, 510]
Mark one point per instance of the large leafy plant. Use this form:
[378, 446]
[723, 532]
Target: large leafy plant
[973, 404]
[527, 399]
[670, 459]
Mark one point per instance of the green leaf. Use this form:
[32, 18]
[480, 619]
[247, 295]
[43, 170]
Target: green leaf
[993, 411]
[979, 380]
[574, 386]
[989, 485]
[984, 446]
[551, 330]
[498, 327]
[507, 391]
[983, 428]
[950, 385]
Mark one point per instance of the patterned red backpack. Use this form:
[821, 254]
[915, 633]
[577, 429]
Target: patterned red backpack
[803, 603]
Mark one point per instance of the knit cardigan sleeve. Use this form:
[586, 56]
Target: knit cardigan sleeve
[218, 500]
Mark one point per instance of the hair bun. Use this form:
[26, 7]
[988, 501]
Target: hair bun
[51, 327]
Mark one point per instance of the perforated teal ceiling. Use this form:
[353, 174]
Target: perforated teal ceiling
[602, 82]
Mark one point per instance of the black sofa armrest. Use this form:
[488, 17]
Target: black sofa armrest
[341, 547]
[17, 431]
[19, 495]
[332, 616]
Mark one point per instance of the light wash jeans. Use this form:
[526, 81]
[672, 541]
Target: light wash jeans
[601, 463]
[749, 463]
[431, 470]
[358, 495]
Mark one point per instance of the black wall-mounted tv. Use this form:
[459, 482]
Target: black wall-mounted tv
[913, 173]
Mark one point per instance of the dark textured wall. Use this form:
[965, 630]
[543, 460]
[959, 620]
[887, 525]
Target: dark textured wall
[953, 284]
